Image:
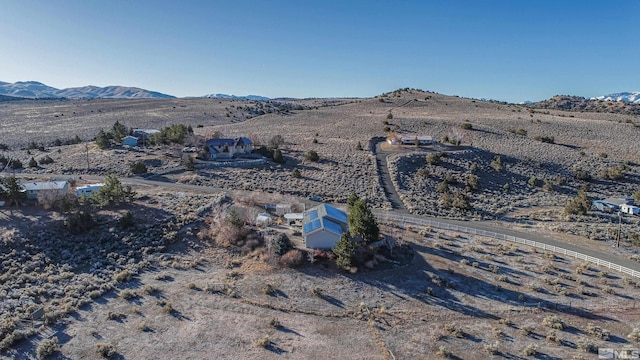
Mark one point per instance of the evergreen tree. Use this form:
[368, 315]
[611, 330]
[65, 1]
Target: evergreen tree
[344, 250]
[118, 131]
[14, 193]
[351, 200]
[112, 192]
[33, 163]
[580, 205]
[362, 222]
[102, 140]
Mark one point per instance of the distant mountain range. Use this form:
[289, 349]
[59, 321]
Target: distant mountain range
[577, 103]
[37, 90]
[247, 97]
[629, 97]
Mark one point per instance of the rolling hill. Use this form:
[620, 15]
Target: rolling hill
[37, 90]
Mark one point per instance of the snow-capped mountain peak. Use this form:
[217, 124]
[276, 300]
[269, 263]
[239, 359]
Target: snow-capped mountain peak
[630, 97]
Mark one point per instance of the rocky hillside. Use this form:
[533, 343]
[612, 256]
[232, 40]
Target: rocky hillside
[577, 103]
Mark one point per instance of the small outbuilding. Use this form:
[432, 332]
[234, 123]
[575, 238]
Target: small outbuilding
[323, 226]
[263, 219]
[87, 190]
[130, 141]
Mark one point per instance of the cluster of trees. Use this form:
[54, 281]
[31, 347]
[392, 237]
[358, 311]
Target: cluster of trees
[105, 139]
[362, 225]
[272, 149]
[173, 134]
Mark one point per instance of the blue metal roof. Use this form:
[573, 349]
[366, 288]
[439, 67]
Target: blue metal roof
[332, 226]
[336, 213]
[311, 226]
[313, 214]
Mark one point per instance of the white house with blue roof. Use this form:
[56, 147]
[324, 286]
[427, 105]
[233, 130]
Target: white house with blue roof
[323, 225]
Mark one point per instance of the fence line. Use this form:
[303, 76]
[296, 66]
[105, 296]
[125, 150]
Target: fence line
[464, 229]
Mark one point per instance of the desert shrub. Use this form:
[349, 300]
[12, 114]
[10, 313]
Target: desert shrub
[530, 350]
[460, 201]
[316, 291]
[597, 332]
[554, 322]
[359, 146]
[433, 159]
[491, 348]
[454, 330]
[128, 294]
[47, 347]
[292, 258]
[464, 262]
[389, 116]
[526, 330]
[603, 155]
[79, 222]
[15, 164]
[276, 141]
[496, 164]
[583, 175]
[295, 173]
[123, 276]
[506, 321]
[105, 350]
[423, 172]
[579, 205]
[126, 220]
[545, 139]
[311, 156]
[466, 126]
[275, 323]
[138, 167]
[553, 338]
[634, 335]
[46, 160]
[33, 163]
[4, 146]
[472, 182]
[586, 345]
[277, 156]
[443, 352]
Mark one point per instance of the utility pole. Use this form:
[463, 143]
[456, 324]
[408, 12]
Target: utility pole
[619, 227]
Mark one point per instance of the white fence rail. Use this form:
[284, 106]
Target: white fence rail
[464, 229]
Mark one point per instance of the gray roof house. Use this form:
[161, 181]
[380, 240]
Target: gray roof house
[228, 148]
[323, 225]
[32, 189]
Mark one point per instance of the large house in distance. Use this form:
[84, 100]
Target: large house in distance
[406, 139]
[228, 148]
[323, 225]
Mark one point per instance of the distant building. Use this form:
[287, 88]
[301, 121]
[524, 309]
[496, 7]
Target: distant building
[87, 190]
[612, 204]
[33, 189]
[130, 141]
[228, 148]
[143, 135]
[323, 225]
[405, 139]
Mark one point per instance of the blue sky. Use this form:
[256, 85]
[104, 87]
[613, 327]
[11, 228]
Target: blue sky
[507, 50]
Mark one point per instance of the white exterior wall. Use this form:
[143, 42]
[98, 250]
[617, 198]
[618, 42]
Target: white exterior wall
[321, 239]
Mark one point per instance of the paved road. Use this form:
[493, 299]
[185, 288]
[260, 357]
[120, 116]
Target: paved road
[478, 225]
